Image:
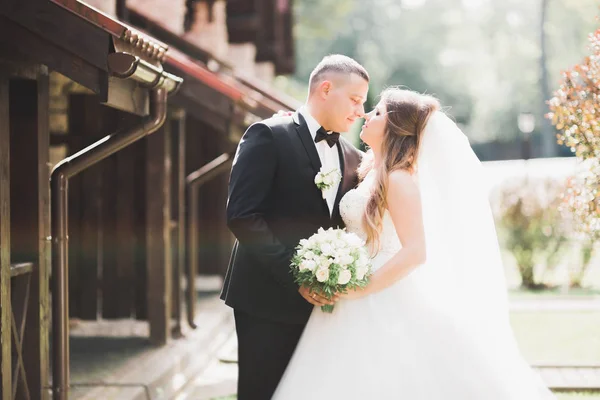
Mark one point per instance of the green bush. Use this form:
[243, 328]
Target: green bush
[531, 226]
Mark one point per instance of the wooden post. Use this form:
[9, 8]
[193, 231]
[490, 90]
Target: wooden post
[43, 230]
[110, 284]
[110, 274]
[178, 211]
[158, 234]
[139, 233]
[126, 243]
[225, 236]
[210, 202]
[75, 143]
[120, 240]
[194, 159]
[88, 121]
[30, 194]
[5, 306]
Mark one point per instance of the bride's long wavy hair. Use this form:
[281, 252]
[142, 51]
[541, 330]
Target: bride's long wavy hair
[407, 116]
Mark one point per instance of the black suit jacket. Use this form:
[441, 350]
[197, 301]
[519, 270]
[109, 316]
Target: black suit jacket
[274, 203]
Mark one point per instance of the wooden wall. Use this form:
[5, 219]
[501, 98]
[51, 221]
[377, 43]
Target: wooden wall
[125, 256]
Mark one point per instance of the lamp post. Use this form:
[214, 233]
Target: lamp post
[548, 139]
[526, 123]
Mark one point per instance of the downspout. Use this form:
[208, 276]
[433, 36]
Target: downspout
[193, 182]
[122, 65]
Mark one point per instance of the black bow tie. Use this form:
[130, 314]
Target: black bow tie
[331, 138]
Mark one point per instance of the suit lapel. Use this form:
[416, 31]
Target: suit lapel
[307, 141]
[311, 150]
[347, 177]
[343, 168]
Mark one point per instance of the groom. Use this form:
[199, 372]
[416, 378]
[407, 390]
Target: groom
[273, 204]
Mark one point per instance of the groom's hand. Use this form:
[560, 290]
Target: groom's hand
[315, 298]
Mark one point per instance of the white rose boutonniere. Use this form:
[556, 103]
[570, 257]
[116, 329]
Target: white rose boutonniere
[325, 180]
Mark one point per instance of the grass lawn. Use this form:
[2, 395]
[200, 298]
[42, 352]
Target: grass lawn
[565, 337]
[553, 294]
[558, 337]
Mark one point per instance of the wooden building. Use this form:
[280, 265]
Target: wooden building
[96, 125]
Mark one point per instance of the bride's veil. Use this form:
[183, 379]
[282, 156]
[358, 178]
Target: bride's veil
[464, 272]
[463, 278]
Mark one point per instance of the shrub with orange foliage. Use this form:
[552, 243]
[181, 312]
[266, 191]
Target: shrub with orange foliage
[575, 111]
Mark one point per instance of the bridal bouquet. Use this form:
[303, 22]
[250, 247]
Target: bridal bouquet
[331, 261]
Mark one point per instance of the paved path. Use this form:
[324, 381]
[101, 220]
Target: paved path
[571, 378]
[109, 368]
[217, 380]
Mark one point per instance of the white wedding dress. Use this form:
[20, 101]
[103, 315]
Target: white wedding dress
[424, 338]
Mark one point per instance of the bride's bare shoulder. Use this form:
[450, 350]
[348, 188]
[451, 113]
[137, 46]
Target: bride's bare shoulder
[402, 178]
[402, 187]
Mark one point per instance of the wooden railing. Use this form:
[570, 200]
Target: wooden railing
[20, 275]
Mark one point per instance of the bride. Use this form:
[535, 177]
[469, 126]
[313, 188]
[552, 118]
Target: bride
[433, 322]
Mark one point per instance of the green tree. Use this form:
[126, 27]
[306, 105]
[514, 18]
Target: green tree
[481, 58]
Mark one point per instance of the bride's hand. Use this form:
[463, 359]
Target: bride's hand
[315, 298]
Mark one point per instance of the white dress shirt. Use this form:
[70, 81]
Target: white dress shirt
[329, 156]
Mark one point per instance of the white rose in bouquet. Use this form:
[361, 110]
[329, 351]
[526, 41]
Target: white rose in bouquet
[324, 262]
[363, 260]
[308, 265]
[322, 274]
[361, 272]
[345, 276]
[338, 254]
[327, 249]
[346, 260]
[341, 245]
[331, 261]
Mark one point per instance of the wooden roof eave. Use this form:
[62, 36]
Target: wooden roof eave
[138, 43]
[44, 33]
[76, 40]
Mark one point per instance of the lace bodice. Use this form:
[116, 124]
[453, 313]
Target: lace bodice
[352, 208]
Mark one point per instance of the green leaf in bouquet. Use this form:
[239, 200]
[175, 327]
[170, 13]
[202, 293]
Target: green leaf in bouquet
[327, 308]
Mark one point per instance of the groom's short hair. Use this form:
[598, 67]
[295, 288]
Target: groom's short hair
[336, 63]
